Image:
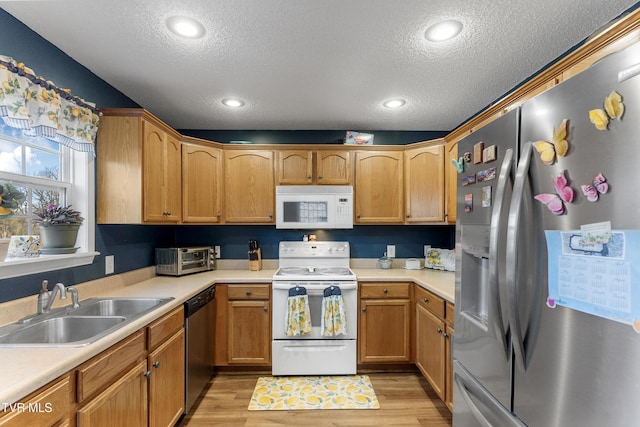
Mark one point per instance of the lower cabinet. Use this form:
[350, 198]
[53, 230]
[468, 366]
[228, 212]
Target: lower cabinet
[384, 326]
[243, 325]
[138, 382]
[46, 407]
[433, 342]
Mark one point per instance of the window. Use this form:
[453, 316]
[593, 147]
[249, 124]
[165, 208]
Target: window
[46, 173]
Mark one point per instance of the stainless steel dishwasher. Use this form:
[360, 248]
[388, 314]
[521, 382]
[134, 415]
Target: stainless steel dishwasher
[199, 322]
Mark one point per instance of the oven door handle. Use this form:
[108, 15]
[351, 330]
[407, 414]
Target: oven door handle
[316, 286]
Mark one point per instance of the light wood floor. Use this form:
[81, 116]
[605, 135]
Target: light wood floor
[406, 399]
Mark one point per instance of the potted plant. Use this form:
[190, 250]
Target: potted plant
[58, 228]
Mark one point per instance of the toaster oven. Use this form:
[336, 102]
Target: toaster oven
[185, 260]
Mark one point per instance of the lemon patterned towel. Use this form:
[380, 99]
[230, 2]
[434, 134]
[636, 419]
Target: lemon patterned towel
[298, 318]
[334, 320]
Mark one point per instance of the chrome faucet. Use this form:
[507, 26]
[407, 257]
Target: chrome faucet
[46, 298]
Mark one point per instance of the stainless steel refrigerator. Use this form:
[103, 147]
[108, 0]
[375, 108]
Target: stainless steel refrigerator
[547, 326]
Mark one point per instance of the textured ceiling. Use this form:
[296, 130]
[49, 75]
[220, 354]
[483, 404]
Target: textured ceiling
[311, 64]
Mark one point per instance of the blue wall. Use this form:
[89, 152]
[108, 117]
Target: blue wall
[132, 245]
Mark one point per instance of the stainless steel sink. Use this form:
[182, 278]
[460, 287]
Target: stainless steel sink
[73, 327]
[77, 330]
[117, 306]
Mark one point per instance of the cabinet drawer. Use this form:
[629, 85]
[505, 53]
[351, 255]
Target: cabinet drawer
[430, 301]
[249, 292]
[450, 313]
[46, 406]
[385, 290]
[164, 327]
[105, 367]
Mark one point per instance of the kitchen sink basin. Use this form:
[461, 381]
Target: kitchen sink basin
[117, 306]
[73, 327]
[77, 330]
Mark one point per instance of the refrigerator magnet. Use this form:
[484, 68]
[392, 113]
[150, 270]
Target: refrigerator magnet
[468, 202]
[486, 196]
[477, 152]
[467, 157]
[489, 154]
[486, 175]
[468, 180]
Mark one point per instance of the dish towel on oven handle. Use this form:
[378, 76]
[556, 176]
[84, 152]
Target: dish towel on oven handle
[298, 318]
[334, 320]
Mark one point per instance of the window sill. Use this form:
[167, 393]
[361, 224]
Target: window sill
[43, 263]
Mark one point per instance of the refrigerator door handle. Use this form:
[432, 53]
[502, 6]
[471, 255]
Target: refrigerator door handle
[513, 229]
[477, 399]
[498, 220]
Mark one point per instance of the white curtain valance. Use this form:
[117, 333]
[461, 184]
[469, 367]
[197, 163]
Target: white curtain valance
[39, 108]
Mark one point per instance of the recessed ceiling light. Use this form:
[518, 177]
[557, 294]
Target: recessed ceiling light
[185, 27]
[394, 103]
[444, 30]
[233, 102]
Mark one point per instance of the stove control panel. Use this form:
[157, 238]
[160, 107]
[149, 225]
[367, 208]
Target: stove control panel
[314, 250]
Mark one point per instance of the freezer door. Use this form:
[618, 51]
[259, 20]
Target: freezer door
[475, 406]
[573, 368]
[481, 342]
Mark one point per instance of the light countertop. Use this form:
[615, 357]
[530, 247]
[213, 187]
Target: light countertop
[25, 369]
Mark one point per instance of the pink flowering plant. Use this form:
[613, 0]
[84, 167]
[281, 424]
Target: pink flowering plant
[57, 215]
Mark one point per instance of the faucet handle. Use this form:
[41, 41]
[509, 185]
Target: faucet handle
[45, 286]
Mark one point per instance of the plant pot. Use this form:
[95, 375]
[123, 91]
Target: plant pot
[58, 238]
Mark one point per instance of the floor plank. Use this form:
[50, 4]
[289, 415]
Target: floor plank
[406, 399]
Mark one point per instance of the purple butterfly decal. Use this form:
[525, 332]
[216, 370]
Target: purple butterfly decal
[554, 202]
[599, 186]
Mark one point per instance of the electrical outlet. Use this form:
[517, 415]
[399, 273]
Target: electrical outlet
[109, 264]
[427, 248]
[391, 251]
[216, 249]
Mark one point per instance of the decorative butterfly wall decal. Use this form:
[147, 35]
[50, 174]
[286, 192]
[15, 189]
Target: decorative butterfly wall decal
[614, 109]
[599, 186]
[554, 202]
[458, 164]
[557, 147]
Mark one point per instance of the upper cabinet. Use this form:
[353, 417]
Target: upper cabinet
[201, 184]
[424, 184]
[249, 190]
[138, 169]
[379, 187]
[322, 167]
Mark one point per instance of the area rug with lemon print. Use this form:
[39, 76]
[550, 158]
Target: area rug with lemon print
[313, 392]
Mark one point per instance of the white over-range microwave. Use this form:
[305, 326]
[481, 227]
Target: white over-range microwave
[314, 206]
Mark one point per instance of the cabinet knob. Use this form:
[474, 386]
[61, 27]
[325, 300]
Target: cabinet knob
[446, 335]
[358, 216]
[385, 290]
[218, 214]
[426, 300]
[156, 364]
[247, 293]
[308, 176]
[147, 374]
[364, 309]
[319, 176]
[439, 330]
[270, 215]
[408, 216]
[265, 309]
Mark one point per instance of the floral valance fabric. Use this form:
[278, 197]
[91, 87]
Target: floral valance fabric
[39, 108]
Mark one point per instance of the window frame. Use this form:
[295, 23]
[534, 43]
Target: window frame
[81, 194]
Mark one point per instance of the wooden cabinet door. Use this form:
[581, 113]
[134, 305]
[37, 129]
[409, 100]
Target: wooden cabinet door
[294, 167]
[201, 184]
[167, 382]
[430, 348]
[161, 175]
[384, 331]
[379, 187]
[448, 400]
[451, 182]
[248, 186]
[424, 184]
[249, 332]
[124, 403]
[334, 167]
